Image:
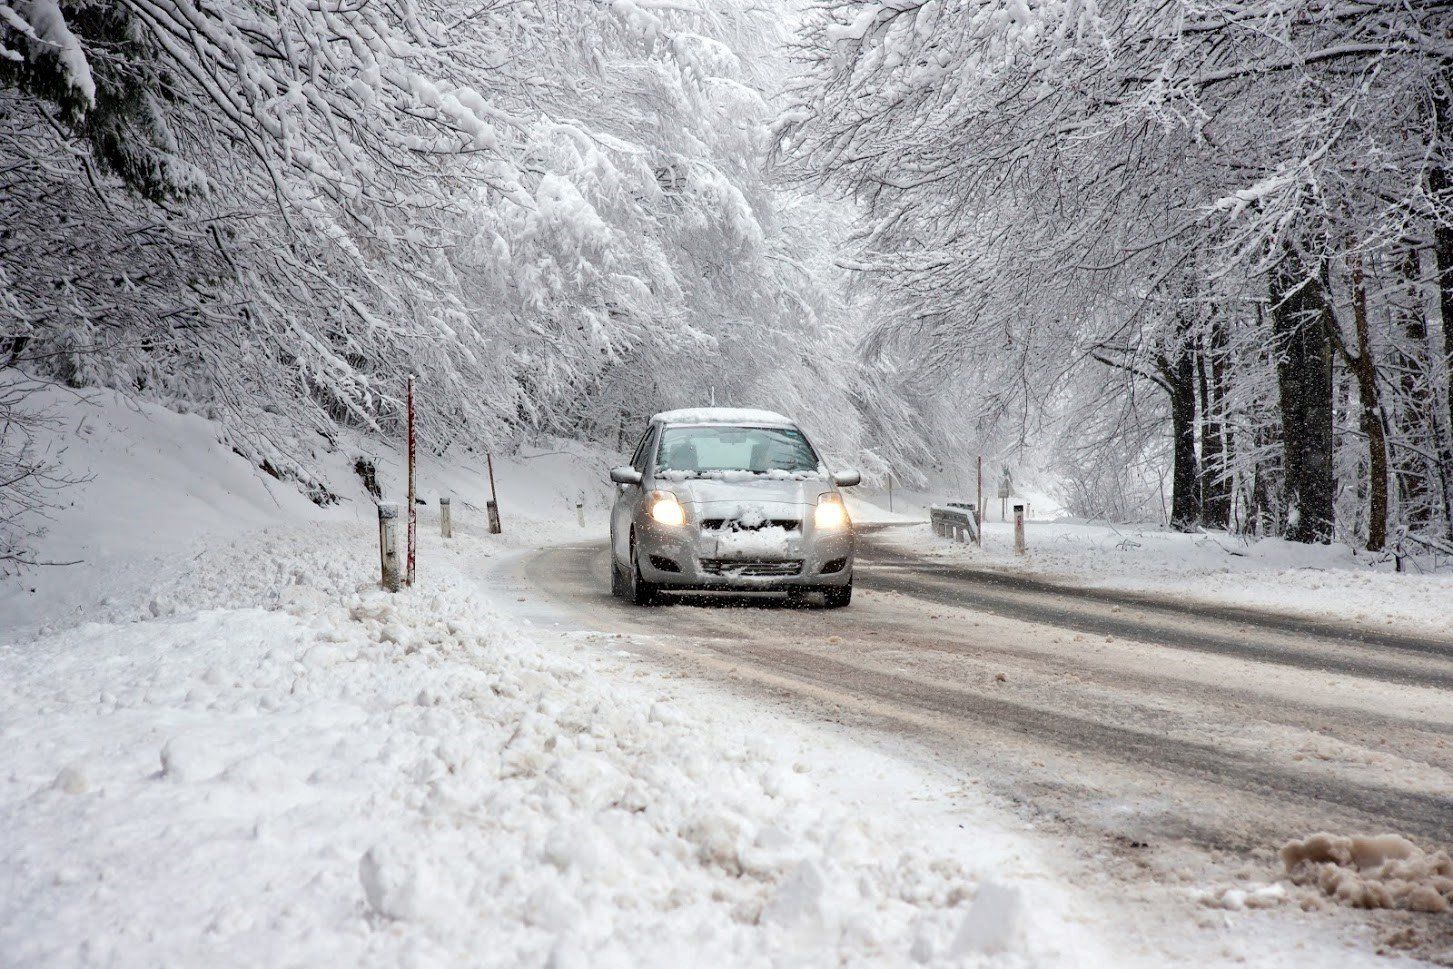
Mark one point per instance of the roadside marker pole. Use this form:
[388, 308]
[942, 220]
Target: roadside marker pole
[492, 506]
[1019, 547]
[413, 508]
[446, 523]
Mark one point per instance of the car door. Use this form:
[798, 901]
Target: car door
[628, 499]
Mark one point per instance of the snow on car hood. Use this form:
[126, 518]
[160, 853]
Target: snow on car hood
[748, 489]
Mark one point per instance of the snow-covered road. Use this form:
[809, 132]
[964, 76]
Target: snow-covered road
[1178, 746]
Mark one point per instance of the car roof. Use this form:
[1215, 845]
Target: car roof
[722, 415]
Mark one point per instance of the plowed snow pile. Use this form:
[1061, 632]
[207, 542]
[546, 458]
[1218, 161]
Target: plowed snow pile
[1385, 871]
[277, 763]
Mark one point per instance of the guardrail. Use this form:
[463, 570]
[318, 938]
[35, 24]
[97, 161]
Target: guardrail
[955, 520]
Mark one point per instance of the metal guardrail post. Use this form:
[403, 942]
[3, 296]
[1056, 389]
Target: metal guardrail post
[954, 520]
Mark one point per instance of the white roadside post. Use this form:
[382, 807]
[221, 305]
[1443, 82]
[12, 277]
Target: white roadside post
[580, 513]
[388, 544]
[446, 522]
[1019, 547]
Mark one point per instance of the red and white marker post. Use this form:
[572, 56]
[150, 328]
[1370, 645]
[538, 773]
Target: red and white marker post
[413, 507]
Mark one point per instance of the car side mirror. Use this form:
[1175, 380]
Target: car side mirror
[846, 479]
[626, 475]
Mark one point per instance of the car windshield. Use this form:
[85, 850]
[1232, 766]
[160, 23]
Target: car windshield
[718, 449]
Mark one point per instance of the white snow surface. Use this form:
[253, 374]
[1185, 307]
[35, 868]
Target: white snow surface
[721, 415]
[1331, 582]
[288, 764]
[222, 744]
[157, 488]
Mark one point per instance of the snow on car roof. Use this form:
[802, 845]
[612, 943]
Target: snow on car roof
[721, 415]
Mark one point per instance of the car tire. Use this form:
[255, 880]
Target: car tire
[617, 577]
[837, 596]
[639, 591]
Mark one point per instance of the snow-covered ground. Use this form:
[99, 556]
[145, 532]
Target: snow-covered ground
[288, 765]
[1332, 582]
[224, 745]
[156, 488]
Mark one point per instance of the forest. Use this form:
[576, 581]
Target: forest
[1192, 259]
[1239, 212]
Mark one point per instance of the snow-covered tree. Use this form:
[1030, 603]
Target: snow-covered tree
[1218, 200]
[553, 213]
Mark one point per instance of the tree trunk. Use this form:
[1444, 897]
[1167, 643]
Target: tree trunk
[1215, 438]
[1371, 418]
[1267, 507]
[1417, 421]
[1180, 379]
[1443, 255]
[1440, 187]
[1301, 322]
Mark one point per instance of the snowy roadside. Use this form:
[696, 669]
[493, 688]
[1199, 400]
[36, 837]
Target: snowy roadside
[1324, 582]
[155, 489]
[277, 763]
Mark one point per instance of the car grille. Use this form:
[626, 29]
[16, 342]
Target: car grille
[752, 567]
[736, 525]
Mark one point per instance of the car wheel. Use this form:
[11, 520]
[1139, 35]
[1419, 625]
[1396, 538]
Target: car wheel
[641, 592]
[617, 577]
[837, 596]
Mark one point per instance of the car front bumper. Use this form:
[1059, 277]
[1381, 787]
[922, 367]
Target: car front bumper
[685, 557]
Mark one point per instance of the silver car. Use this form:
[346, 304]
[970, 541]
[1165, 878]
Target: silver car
[729, 500]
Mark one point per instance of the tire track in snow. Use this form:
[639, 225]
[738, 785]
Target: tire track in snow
[766, 645]
[1420, 814]
[1425, 663]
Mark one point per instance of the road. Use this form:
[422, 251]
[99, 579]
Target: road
[1155, 729]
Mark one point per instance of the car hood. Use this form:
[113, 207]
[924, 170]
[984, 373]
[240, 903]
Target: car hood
[786, 491]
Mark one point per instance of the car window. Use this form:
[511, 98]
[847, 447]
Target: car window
[643, 450]
[715, 449]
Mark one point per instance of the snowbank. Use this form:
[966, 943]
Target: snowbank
[151, 484]
[1320, 581]
[287, 760]
[1384, 871]
[155, 488]
[223, 745]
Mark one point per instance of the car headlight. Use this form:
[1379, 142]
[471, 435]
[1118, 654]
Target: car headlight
[831, 513]
[666, 508]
